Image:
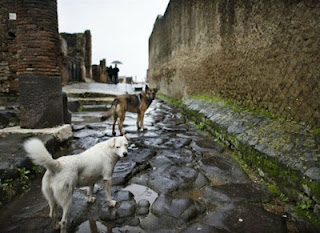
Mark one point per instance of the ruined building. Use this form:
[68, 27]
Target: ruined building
[78, 56]
[261, 54]
[74, 51]
[99, 72]
[35, 60]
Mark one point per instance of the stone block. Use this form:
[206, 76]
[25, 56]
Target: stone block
[40, 102]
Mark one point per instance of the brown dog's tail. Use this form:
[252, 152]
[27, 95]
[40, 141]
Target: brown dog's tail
[110, 112]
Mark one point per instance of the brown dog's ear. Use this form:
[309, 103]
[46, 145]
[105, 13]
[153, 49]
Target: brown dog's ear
[147, 87]
[156, 90]
[112, 142]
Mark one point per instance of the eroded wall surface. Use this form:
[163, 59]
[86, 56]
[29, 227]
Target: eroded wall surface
[8, 48]
[263, 54]
[79, 56]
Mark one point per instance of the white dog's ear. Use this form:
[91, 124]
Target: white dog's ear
[112, 142]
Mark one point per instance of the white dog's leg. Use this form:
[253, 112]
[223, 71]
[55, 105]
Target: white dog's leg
[63, 194]
[52, 214]
[91, 199]
[65, 208]
[107, 186]
[48, 193]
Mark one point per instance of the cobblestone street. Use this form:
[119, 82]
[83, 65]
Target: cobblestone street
[217, 104]
[175, 179]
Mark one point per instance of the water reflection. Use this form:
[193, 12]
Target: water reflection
[92, 226]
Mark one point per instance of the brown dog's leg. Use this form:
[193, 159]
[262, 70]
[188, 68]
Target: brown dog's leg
[115, 118]
[121, 120]
[138, 121]
[141, 122]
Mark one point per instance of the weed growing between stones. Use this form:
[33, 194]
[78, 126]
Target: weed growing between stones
[317, 131]
[169, 100]
[80, 109]
[10, 188]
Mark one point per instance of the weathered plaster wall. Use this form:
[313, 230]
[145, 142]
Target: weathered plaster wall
[264, 54]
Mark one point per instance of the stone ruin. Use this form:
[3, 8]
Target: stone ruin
[35, 61]
[77, 57]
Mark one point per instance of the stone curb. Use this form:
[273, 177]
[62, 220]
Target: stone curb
[290, 146]
[61, 133]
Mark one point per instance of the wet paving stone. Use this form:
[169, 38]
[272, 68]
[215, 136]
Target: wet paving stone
[222, 169]
[175, 179]
[244, 218]
[236, 193]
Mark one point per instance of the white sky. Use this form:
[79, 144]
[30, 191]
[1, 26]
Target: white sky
[120, 29]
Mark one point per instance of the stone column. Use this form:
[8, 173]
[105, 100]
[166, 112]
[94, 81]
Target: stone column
[39, 61]
[103, 71]
[88, 54]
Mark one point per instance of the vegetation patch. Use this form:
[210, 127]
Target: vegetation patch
[235, 107]
[317, 131]
[10, 188]
[173, 101]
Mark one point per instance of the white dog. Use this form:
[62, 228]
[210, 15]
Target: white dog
[63, 175]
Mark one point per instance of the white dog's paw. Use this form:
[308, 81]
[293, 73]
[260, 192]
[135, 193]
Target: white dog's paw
[56, 225]
[91, 200]
[112, 203]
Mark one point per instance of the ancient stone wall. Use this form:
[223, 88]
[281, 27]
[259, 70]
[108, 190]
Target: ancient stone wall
[8, 48]
[78, 61]
[99, 72]
[263, 54]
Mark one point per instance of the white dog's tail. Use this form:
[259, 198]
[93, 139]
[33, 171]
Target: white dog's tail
[40, 155]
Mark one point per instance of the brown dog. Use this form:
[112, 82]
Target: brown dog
[137, 103]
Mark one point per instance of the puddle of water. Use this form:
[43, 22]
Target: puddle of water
[92, 226]
[142, 192]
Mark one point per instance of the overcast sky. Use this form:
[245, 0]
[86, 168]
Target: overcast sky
[120, 29]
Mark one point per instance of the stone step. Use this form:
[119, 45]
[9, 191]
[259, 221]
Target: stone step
[83, 117]
[89, 104]
[95, 107]
[93, 101]
[90, 95]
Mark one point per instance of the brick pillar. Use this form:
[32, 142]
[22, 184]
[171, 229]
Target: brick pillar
[39, 60]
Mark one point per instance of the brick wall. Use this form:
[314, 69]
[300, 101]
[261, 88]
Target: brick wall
[264, 54]
[38, 39]
[39, 64]
[8, 48]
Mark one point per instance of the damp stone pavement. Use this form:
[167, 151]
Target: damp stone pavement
[175, 178]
